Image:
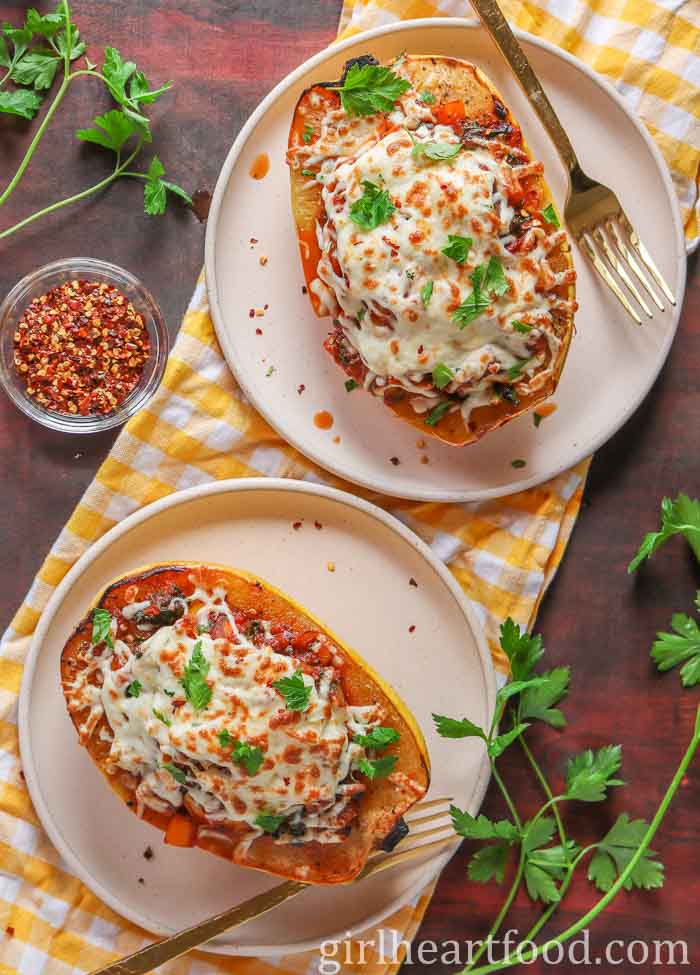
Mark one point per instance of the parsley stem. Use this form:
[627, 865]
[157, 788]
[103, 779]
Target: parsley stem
[506, 795]
[68, 50]
[507, 904]
[16, 179]
[525, 957]
[113, 176]
[539, 774]
[563, 889]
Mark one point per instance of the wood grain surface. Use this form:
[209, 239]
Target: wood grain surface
[223, 56]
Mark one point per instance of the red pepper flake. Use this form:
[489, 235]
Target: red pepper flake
[81, 348]
[148, 853]
[318, 525]
[412, 582]
[411, 629]
[10, 931]
[258, 331]
[301, 388]
[304, 289]
[251, 313]
[395, 461]
[296, 526]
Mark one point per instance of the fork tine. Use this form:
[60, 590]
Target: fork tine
[608, 278]
[632, 261]
[421, 820]
[599, 235]
[646, 257]
[429, 804]
[394, 859]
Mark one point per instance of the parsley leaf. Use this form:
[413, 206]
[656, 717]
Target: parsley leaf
[370, 88]
[543, 867]
[48, 24]
[134, 688]
[5, 60]
[521, 327]
[307, 135]
[435, 151]
[615, 852]
[471, 307]
[161, 717]
[516, 369]
[482, 828]
[498, 745]
[295, 692]
[351, 384]
[437, 413]
[377, 768]
[176, 773]
[523, 651]
[377, 738]
[373, 208]
[102, 628]
[681, 516]
[37, 69]
[590, 774]
[489, 863]
[197, 691]
[550, 215]
[427, 97]
[268, 822]
[242, 753]
[22, 103]
[426, 293]
[681, 646]
[487, 280]
[442, 375]
[114, 129]
[538, 702]
[155, 191]
[457, 728]
[226, 739]
[495, 280]
[457, 248]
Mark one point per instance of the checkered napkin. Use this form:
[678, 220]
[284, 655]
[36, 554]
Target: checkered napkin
[200, 428]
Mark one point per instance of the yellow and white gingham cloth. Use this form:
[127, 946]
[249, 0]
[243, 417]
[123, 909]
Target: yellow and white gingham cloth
[200, 428]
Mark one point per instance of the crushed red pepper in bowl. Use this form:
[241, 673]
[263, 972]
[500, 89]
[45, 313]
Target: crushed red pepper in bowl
[83, 345]
[81, 348]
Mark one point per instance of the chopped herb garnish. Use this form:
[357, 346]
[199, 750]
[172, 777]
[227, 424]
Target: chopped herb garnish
[518, 463]
[176, 773]
[457, 248]
[161, 717]
[427, 97]
[270, 371]
[370, 88]
[102, 628]
[169, 693]
[361, 313]
[203, 628]
[475, 303]
[494, 279]
[351, 384]
[410, 274]
[307, 135]
[377, 768]
[268, 822]
[516, 369]
[226, 739]
[250, 757]
[487, 280]
[435, 151]
[134, 688]
[197, 691]
[521, 327]
[373, 208]
[437, 413]
[442, 375]
[295, 692]
[308, 172]
[254, 628]
[550, 215]
[426, 293]
[537, 418]
[377, 738]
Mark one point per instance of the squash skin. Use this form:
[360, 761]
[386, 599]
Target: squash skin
[456, 80]
[380, 808]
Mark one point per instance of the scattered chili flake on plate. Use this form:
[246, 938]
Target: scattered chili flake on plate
[412, 628]
[81, 348]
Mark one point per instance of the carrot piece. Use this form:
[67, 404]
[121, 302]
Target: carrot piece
[181, 831]
[451, 112]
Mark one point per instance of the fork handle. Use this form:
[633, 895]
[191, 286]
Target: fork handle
[495, 23]
[178, 944]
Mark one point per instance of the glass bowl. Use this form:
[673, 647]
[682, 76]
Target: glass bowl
[44, 279]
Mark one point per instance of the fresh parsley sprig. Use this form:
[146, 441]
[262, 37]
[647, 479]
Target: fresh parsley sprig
[44, 49]
[547, 857]
[296, 693]
[373, 208]
[194, 680]
[488, 282]
[370, 88]
[679, 517]
[102, 627]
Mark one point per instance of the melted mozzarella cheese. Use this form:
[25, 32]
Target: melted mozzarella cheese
[308, 756]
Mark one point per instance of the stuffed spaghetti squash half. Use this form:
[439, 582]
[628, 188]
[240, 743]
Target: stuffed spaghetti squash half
[429, 237]
[225, 715]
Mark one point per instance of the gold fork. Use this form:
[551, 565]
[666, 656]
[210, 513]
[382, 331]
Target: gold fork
[433, 832]
[593, 212]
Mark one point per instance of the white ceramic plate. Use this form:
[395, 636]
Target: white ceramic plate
[612, 363]
[443, 665]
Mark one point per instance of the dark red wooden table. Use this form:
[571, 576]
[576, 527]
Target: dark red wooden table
[223, 57]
